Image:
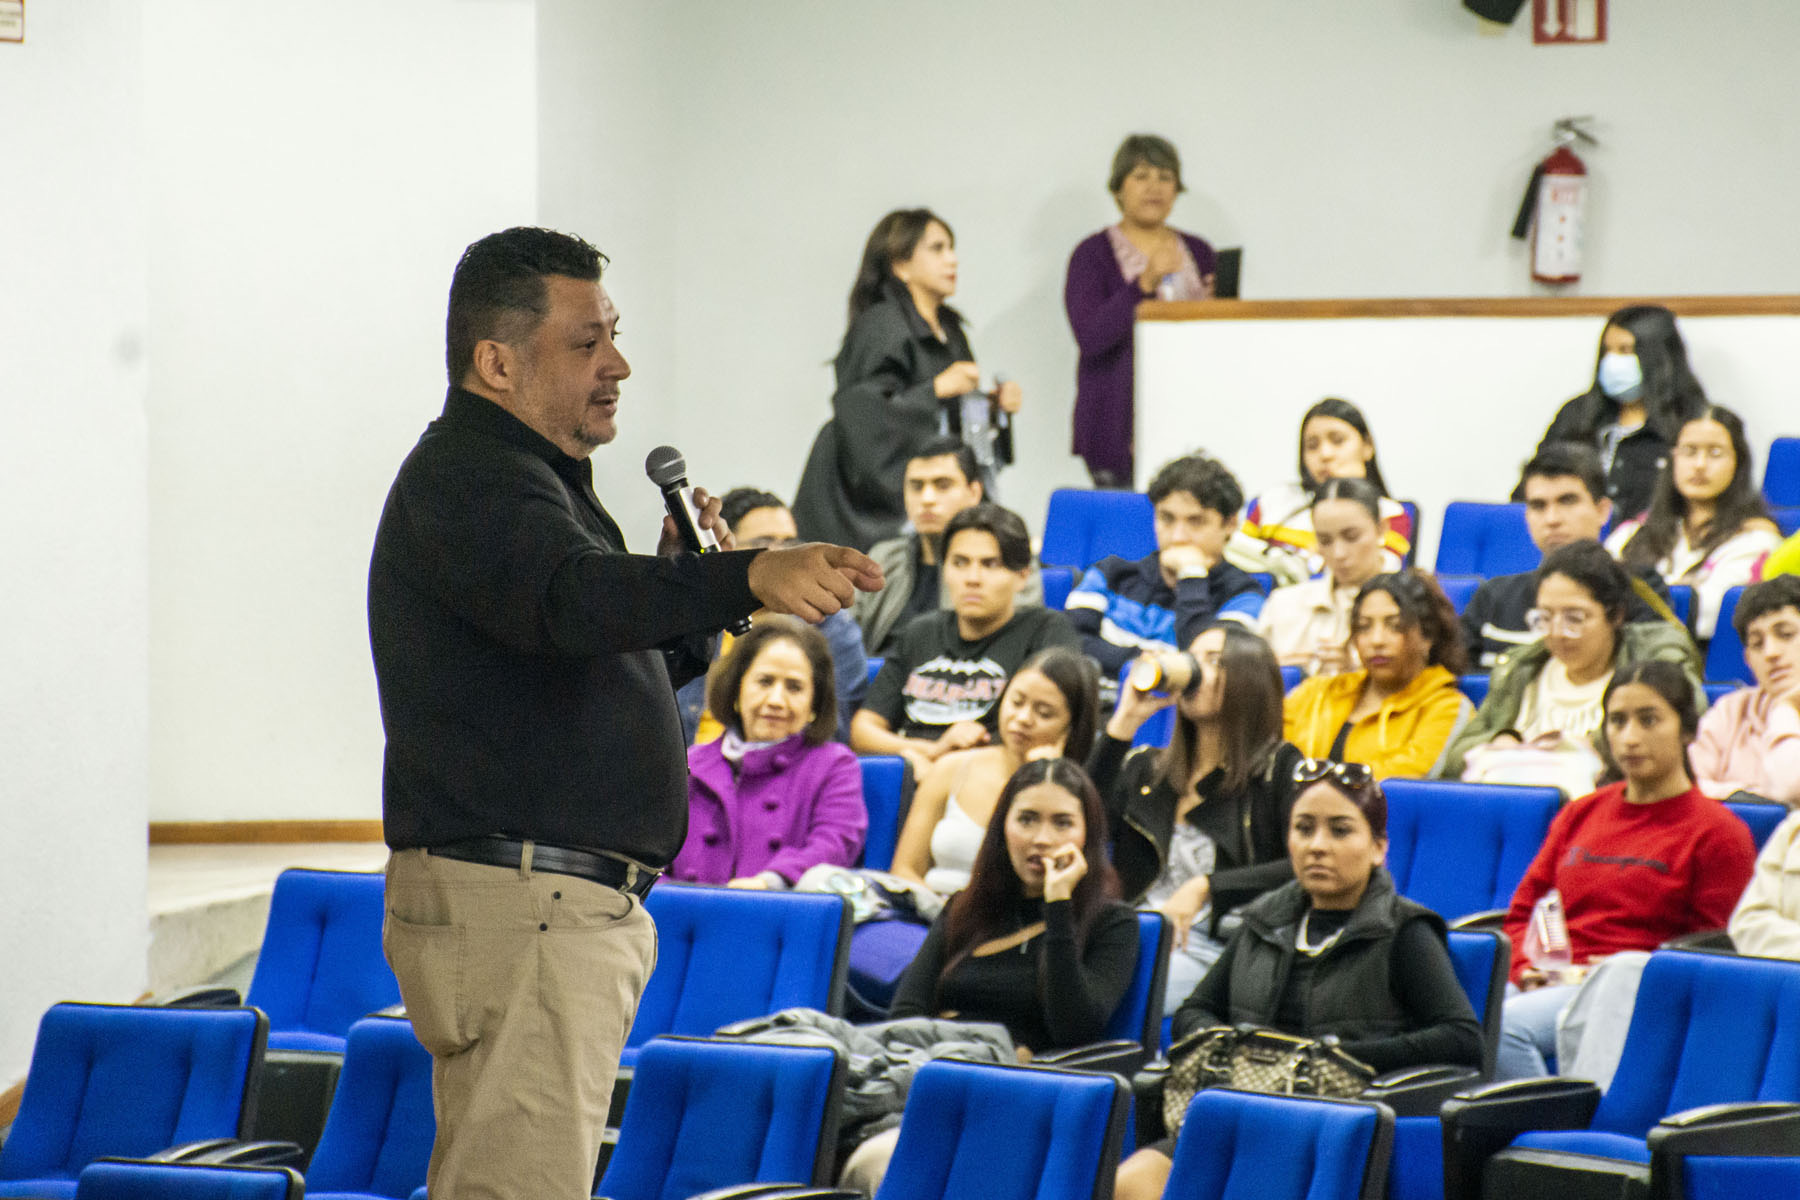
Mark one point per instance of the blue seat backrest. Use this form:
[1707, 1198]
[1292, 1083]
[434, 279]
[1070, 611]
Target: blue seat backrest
[1461, 848]
[1082, 527]
[725, 954]
[1486, 540]
[1716, 692]
[123, 1081]
[1725, 654]
[185, 1181]
[1475, 686]
[1681, 601]
[1761, 818]
[1482, 958]
[321, 968]
[1138, 1018]
[1459, 589]
[875, 661]
[1250, 1146]
[379, 1132]
[1787, 519]
[980, 1131]
[710, 1114]
[1781, 474]
[1291, 678]
[886, 785]
[1413, 532]
[1717, 1177]
[1058, 583]
[1159, 728]
[1707, 1029]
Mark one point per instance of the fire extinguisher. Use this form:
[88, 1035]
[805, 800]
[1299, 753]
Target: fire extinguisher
[1554, 207]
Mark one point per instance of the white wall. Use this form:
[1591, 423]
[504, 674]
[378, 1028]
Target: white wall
[73, 638]
[313, 173]
[737, 155]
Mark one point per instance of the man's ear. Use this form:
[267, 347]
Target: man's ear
[980, 490]
[495, 366]
[1605, 507]
[1231, 525]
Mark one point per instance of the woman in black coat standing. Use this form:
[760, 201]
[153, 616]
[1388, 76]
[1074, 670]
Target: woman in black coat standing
[905, 374]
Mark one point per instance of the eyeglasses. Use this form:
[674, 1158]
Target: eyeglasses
[1709, 453]
[1353, 775]
[1570, 622]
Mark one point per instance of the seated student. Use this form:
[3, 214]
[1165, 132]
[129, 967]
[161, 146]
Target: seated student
[1277, 532]
[775, 795]
[1636, 863]
[1049, 709]
[941, 480]
[1643, 390]
[1336, 951]
[1766, 921]
[1200, 827]
[759, 520]
[1160, 602]
[1547, 695]
[1038, 941]
[1564, 490]
[1308, 624]
[1400, 711]
[940, 688]
[1750, 740]
[1707, 526]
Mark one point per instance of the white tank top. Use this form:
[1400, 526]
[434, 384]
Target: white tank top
[954, 842]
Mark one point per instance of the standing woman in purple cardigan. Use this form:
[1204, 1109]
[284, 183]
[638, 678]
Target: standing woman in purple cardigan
[775, 795]
[1140, 258]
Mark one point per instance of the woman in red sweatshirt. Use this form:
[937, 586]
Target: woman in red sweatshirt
[1636, 863]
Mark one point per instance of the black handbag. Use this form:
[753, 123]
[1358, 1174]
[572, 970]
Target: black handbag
[1258, 1060]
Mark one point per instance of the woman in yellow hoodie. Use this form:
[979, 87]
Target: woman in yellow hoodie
[1401, 710]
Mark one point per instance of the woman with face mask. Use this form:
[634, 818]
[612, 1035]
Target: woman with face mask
[1141, 258]
[905, 374]
[1643, 390]
[1277, 532]
[1307, 624]
[1546, 695]
[1199, 827]
[1708, 526]
[1402, 708]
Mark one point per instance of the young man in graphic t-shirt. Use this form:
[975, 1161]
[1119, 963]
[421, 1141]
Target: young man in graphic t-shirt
[939, 689]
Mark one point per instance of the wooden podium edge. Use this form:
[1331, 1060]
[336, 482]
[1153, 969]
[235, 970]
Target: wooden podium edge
[1518, 306]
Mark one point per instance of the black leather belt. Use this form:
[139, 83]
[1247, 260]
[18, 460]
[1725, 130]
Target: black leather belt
[602, 869]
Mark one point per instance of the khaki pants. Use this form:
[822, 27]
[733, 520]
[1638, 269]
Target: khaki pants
[522, 985]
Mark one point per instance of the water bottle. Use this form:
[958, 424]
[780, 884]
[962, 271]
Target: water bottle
[1547, 937]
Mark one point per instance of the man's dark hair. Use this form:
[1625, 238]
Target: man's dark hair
[1005, 525]
[738, 501]
[944, 444]
[1761, 599]
[1565, 460]
[1207, 480]
[498, 290]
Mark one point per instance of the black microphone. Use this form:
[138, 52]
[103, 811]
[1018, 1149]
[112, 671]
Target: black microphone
[668, 471]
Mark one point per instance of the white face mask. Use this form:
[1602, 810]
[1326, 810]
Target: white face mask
[1619, 374]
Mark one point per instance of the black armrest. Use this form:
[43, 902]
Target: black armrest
[1121, 1056]
[745, 1191]
[1729, 1130]
[201, 996]
[1146, 1101]
[189, 1151]
[249, 1154]
[1704, 939]
[1490, 921]
[1482, 1121]
[1420, 1091]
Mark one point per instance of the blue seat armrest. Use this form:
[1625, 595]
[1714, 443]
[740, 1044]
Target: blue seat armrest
[1732, 1130]
[230, 1153]
[1420, 1091]
[1122, 1056]
[766, 1191]
[200, 996]
[1487, 921]
[1482, 1121]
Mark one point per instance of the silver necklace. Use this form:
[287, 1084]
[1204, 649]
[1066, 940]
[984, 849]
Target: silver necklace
[1305, 946]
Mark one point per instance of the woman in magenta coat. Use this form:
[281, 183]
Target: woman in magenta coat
[775, 795]
[1140, 258]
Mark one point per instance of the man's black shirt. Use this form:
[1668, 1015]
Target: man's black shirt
[520, 650]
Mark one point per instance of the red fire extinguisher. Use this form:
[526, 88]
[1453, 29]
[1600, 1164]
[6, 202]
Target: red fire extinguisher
[1554, 207]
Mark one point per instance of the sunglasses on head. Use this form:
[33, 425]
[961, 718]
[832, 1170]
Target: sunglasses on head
[1352, 775]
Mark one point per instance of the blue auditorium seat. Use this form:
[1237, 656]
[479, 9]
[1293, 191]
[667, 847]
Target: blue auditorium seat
[321, 968]
[1761, 818]
[377, 1139]
[1485, 540]
[1082, 527]
[887, 788]
[1058, 583]
[1461, 848]
[1781, 474]
[1251, 1146]
[1725, 653]
[125, 1179]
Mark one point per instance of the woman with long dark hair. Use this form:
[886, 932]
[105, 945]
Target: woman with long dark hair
[905, 374]
[1199, 827]
[1400, 710]
[1307, 623]
[1642, 392]
[1708, 526]
[1277, 533]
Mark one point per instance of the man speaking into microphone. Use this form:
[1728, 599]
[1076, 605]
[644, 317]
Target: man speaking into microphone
[535, 780]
